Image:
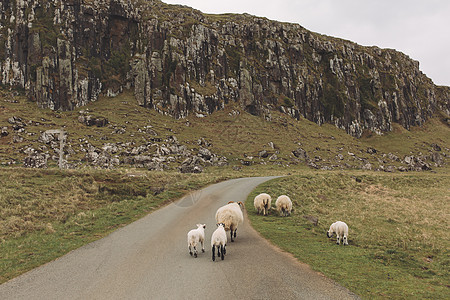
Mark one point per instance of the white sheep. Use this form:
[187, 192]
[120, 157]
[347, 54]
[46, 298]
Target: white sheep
[231, 216]
[284, 205]
[219, 240]
[194, 237]
[341, 230]
[262, 203]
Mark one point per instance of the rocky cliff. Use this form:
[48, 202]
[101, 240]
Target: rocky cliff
[178, 61]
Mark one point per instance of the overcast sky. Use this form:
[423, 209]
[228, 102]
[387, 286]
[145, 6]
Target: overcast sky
[418, 28]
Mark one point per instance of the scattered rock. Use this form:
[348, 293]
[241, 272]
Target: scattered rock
[436, 147]
[90, 120]
[203, 142]
[4, 131]
[437, 159]
[390, 169]
[17, 139]
[190, 169]
[204, 153]
[367, 166]
[246, 162]
[314, 220]
[273, 157]
[263, 154]
[35, 159]
[300, 153]
[371, 150]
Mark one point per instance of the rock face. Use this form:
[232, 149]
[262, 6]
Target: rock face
[178, 60]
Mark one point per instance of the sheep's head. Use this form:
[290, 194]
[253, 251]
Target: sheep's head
[241, 205]
[330, 231]
[220, 224]
[201, 225]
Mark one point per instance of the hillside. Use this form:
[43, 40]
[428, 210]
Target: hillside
[179, 61]
[117, 132]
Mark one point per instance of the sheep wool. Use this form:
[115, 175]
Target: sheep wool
[284, 205]
[262, 203]
[231, 216]
[194, 237]
[219, 240]
[341, 230]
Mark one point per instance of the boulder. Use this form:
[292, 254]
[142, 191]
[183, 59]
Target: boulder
[4, 131]
[300, 153]
[263, 154]
[35, 160]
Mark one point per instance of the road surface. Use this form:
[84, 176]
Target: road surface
[149, 259]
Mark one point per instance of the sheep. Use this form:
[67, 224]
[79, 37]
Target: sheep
[194, 237]
[231, 216]
[262, 203]
[284, 205]
[341, 230]
[219, 240]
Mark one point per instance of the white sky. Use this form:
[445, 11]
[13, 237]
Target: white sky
[418, 28]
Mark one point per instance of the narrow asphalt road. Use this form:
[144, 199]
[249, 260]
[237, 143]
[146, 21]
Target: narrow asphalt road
[149, 259]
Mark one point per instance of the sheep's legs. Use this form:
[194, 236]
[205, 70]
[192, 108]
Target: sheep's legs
[338, 239]
[345, 241]
[213, 253]
[222, 250]
[231, 235]
[190, 251]
[203, 247]
[195, 251]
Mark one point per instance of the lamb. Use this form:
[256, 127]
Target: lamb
[194, 237]
[219, 240]
[284, 205]
[231, 216]
[341, 230]
[262, 203]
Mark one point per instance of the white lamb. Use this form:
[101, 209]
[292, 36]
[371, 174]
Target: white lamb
[194, 237]
[341, 230]
[231, 216]
[284, 205]
[262, 203]
[219, 240]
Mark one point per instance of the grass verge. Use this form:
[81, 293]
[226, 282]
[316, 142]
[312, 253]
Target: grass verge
[398, 223]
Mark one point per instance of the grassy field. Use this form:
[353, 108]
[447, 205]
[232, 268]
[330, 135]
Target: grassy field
[398, 230]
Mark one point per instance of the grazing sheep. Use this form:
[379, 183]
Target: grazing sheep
[262, 203]
[284, 205]
[341, 230]
[219, 240]
[231, 216]
[194, 237]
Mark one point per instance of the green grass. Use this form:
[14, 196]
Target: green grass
[398, 242]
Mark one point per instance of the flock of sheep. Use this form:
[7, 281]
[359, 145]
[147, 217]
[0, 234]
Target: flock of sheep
[228, 218]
